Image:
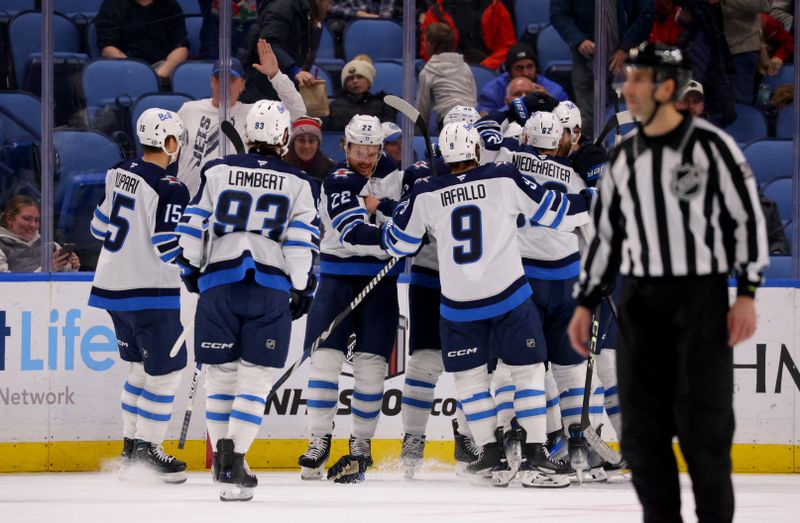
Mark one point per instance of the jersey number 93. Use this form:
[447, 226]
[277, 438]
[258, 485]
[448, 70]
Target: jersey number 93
[234, 208]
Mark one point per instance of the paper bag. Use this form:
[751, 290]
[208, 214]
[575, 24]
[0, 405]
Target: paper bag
[316, 99]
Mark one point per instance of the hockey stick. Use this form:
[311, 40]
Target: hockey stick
[618, 119]
[327, 332]
[230, 132]
[412, 114]
[187, 416]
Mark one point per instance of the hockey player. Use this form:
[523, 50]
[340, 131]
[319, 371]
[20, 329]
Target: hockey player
[139, 286]
[261, 217]
[201, 117]
[457, 209]
[357, 196]
[570, 117]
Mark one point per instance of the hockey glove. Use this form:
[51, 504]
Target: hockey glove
[300, 300]
[189, 274]
[589, 160]
[589, 194]
[349, 469]
[521, 108]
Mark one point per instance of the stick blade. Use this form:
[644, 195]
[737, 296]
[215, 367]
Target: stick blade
[401, 105]
[232, 134]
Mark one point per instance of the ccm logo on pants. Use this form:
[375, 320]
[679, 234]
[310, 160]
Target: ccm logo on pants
[462, 352]
[216, 345]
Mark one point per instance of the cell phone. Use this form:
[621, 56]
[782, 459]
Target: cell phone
[68, 248]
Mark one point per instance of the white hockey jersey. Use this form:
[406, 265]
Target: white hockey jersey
[473, 218]
[260, 214]
[136, 222]
[351, 243]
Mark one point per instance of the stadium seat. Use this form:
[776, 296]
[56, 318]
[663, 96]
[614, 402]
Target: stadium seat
[331, 148]
[482, 76]
[749, 126]
[780, 191]
[193, 78]
[23, 106]
[170, 102]
[780, 268]
[770, 159]
[105, 79]
[785, 128]
[789, 231]
[322, 74]
[15, 6]
[190, 7]
[784, 76]
[87, 8]
[91, 36]
[530, 12]
[389, 78]
[82, 193]
[380, 39]
[326, 54]
[193, 24]
[552, 49]
[25, 36]
[71, 148]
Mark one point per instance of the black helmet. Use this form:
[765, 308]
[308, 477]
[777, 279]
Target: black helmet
[666, 61]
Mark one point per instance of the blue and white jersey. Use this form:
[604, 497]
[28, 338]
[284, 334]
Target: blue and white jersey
[351, 243]
[136, 222]
[260, 214]
[473, 217]
[547, 254]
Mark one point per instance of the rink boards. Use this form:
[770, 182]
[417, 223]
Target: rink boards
[61, 377]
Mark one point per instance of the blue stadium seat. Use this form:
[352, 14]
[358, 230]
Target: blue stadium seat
[331, 148]
[780, 268]
[789, 231]
[15, 6]
[91, 36]
[193, 24]
[71, 148]
[419, 147]
[785, 127]
[193, 78]
[530, 12]
[770, 159]
[482, 76]
[25, 35]
[780, 191]
[105, 79]
[553, 51]
[24, 106]
[389, 78]
[326, 54]
[170, 102]
[749, 126]
[70, 7]
[82, 193]
[380, 39]
[784, 76]
[190, 7]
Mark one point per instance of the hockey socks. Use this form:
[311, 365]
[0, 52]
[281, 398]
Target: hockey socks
[478, 404]
[422, 374]
[221, 391]
[154, 406]
[369, 373]
[131, 391]
[253, 382]
[606, 366]
[323, 390]
[503, 386]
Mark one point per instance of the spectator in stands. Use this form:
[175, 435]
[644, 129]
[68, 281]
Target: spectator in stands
[574, 21]
[293, 28]
[20, 243]
[446, 80]
[692, 99]
[742, 31]
[343, 12]
[393, 141]
[243, 15]
[150, 30]
[520, 61]
[777, 46]
[483, 29]
[666, 23]
[201, 117]
[305, 151]
[522, 86]
[783, 12]
[356, 98]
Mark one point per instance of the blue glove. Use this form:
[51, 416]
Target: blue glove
[189, 274]
[300, 300]
[521, 108]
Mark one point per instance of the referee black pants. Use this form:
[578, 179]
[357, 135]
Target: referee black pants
[675, 373]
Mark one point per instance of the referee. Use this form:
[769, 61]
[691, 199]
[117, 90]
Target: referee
[677, 212]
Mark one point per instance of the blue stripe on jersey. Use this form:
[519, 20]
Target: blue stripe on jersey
[97, 233]
[471, 311]
[196, 211]
[244, 416]
[295, 243]
[171, 255]
[543, 207]
[162, 238]
[562, 273]
[225, 274]
[296, 224]
[400, 235]
[100, 216]
[191, 231]
[135, 304]
[399, 252]
[352, 212]
[562, 210]
[345, 268]
[424, 280]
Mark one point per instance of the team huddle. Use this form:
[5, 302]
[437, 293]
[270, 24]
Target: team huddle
[490, 233]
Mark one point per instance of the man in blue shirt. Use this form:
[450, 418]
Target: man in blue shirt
[520, 61]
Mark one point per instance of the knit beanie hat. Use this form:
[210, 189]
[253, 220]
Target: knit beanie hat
[307, 125]
[518, 52]
[359, 67]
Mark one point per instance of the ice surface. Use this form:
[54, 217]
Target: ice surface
[283, 498]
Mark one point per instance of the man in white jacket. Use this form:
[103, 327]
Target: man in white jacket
[201, 117]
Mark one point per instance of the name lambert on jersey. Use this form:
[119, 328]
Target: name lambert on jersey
[463, 194]
[265, 180]
[125, 182]
[532, 165]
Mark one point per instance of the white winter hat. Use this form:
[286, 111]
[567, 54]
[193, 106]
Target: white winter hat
[360, 67]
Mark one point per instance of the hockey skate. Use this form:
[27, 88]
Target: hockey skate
[557, 445]
[585, 462]
[313, 461]
[235, 477]
[361, 447]
[513, 440]
[411, 455]
[538, 470]
[465, 452]
[126, 459]
[491, 457]
[152, 455]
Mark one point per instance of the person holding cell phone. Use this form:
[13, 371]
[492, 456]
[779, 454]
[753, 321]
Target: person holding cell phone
[20, 243]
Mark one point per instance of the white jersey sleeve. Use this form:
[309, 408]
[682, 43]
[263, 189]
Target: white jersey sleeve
[288, 94]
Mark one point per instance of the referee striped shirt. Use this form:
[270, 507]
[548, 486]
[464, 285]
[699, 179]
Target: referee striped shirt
[681, 204]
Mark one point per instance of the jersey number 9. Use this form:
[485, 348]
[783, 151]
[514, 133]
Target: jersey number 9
[465, 224]
[234, 208]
